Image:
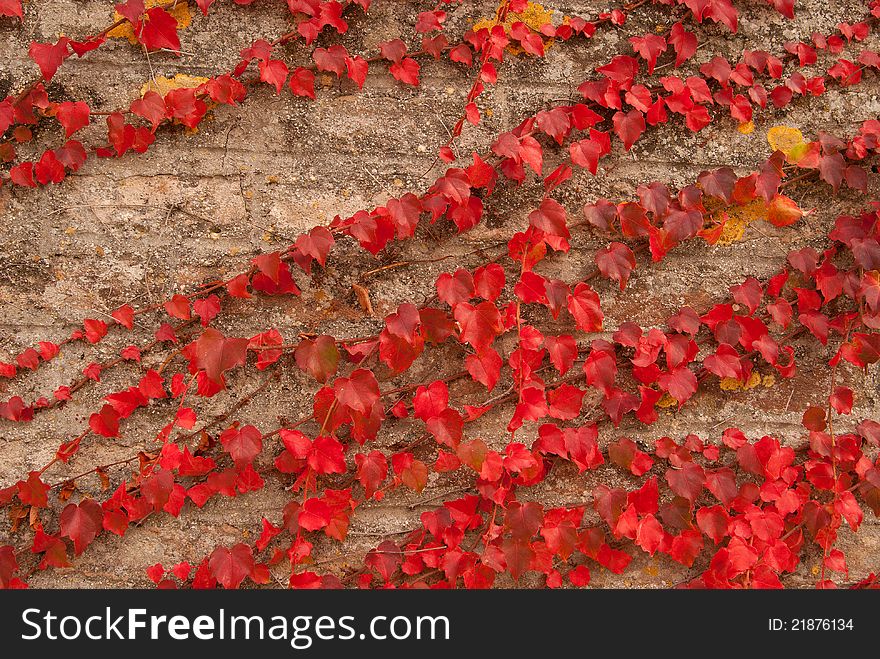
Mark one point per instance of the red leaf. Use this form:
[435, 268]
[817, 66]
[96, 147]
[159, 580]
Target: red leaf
[49, 56]
[626, 454]
[207, 309]
[302, 83]
[409, 471]
[649, 534]
[215, 354]
[372, 469]
[72, 116]
[319, 357]
[184, 105]
[562, 351]
[326, 456]
[584, 305]
[82, 523]
[842, 400]
[616, 262]
[550, 218]
[49, 169]
[479, 324]
[718, 183]
[124, 315]
[684, 42]
[357, 69]
[359, 391]
[178, 307]
[457, 287]
[243, 444]
[686, 481]
[650, 47]
[586, 153]
[231, 566]
[629, 127]
[274, 72]
[385, 559]
[782, 211]
[105, 422]
[814, 419]
[33, 491]
[406, 71]
[680, 383]
[579, 576]
[489, 281]
[485, 367]
[10, 8]
[160, 31]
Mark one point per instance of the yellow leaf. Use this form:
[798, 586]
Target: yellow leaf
[738, 218]
[162, 85]
[788, 140]
[534, 16]
[746, 128]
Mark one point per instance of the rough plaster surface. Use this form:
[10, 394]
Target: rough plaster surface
[198, 207]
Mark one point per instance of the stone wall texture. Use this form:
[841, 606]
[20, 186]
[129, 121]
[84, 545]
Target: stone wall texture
[199, 206]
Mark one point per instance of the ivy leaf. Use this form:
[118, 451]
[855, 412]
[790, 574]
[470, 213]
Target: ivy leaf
[243, 444]
[550, 218]
[10, 8]
[231, 566]
[629, 126]
[215, 354]
[151, 107]
[49, 56]
[82, 523]
[319, 357]
[583, 304]
[160, 31]
[680, 383]
[479, 324]
[782, 211]
[616, 262]
[684, 43]
[372, 469]
[489, 281]
[359, 391]
[326, 456]
[73, 116]
[485, 367]
[302, 83]
[406, 71]
[385, 559]
[273, 72]
[33, 491]
[105, 422]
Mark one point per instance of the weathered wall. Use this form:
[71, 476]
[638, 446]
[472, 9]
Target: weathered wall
[196, 207]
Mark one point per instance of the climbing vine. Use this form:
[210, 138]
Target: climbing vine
[517, 341]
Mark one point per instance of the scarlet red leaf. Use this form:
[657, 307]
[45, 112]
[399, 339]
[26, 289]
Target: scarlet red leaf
[159, 31]
[73, 116]
[629, 126]
[359, 391]
[215, 354]
[243, 444]
[318, 357]
[616, 262]
[584, 305]
[479, 324]
[82, 523]
[231, 566]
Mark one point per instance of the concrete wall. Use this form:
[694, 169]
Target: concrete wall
[196, 207]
